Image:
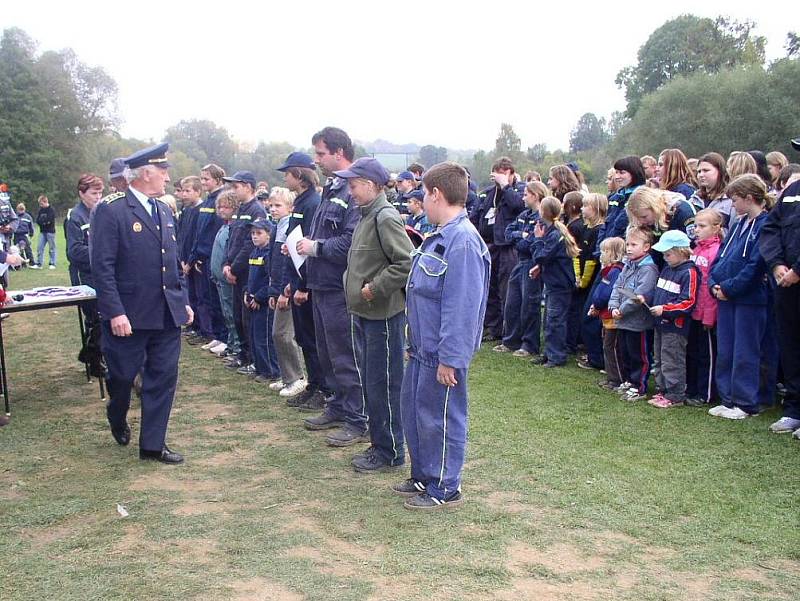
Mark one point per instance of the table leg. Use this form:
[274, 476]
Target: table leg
[83, 340]
[3, 378]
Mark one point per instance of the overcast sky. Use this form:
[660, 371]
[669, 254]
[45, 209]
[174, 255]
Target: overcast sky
[435, 72]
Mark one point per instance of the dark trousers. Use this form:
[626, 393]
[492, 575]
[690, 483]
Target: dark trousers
[504, 259]
[669, 350]
[787, 318]
[261, 344]
[592, 332]
[380, 360]
[522, 315]
[613, 357]
[435, 422]
[211, 322]
[701, 354]
[193, 287]
[337, 337]
[574, 318]
[744, 376]
[241, 317]
[155, 353]
[25, 250]
[304, 334]
[638, 350]
[555, 325]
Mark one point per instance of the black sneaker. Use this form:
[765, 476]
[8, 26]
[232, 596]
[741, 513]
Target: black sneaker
[345, 437]
[539, 360]
[695, 402]
[426, 502]
[322, 422]
[408, 488]
[233, 364]
[373, 463]
[316, 402]
[368, 451]
[300, 399]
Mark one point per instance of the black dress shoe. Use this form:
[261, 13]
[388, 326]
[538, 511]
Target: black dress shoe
[122, 435]
[164, 456]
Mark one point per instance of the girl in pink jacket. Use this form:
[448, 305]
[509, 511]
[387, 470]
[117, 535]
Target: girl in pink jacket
[702, 347]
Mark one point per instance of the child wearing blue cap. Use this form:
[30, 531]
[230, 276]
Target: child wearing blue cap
[673, 301]
[256, 300]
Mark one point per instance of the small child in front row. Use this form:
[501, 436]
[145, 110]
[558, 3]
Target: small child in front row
[634, 322]
[612, 251]
[416, 215]
[673, 302]
[256, 299]
[553, 251]
[702, 349]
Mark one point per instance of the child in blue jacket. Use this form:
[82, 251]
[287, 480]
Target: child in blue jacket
[522, 315]
[553, 251]
[673, 302]
[256, 299]
[612, 251]
[738, 280]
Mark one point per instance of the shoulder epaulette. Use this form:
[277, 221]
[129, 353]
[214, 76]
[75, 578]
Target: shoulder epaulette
[112, 197]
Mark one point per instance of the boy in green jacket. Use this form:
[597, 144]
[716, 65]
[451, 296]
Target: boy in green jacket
[378, 264]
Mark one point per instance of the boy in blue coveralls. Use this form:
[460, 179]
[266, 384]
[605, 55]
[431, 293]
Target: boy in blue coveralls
[444, 332]
[256, 299]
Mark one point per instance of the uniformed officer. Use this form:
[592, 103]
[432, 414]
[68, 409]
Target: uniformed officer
[444, 332]
[141, 299]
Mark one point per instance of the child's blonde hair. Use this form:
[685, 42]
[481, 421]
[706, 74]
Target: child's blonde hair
[685, 251]
[228, 198]
[714, 217]
[648, 198]
[538, 189]
[21, 206]
[740, 163]
[550, 209]
[283, 194]
[643, 233]
[612, 250]
[599, 203]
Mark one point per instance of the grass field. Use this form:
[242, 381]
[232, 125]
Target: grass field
[570, 494]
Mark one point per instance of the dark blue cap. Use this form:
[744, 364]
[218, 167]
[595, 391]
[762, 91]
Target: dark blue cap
[246, 177]
[573, 166]
[416, 194]
[368, 168]
[297, 159]
[796, 143]
[406, 175]
[261, 224]
[153, 155]
[117, 168]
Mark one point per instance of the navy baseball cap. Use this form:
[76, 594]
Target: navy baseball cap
[796, 143]
[246, 177]
[117, 168]
[152, 155]
[406, 175]
[297, 159]
[573, 166]
[368, 168]
[416, 194]
[261, 224]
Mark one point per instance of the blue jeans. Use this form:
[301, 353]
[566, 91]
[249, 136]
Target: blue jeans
[379, 355]
[50, 240]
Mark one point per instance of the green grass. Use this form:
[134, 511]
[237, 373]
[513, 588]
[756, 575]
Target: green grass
[571, 494]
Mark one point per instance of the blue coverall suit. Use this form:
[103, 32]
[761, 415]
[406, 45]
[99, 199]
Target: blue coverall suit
[522, 315]
[451, 266]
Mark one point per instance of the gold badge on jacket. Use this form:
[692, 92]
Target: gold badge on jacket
[137, 227]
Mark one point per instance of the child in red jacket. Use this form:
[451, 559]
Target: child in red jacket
[702, 349]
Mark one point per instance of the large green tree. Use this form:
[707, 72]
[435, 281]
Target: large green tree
[590, 132]
[204, 141]
[686, 45]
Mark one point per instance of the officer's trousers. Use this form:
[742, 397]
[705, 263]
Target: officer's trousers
[336, 348]
[155, 353]
[435, 423]
[787, 319]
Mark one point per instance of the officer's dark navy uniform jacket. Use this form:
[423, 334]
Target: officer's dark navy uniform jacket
[303, 211]
[237, 254]
[208, 224]
[332, 228]
[676, 290]
[77, 234]
[187, 232]
[780, 235]
[509, 204]
[127, 248]
[550, 253]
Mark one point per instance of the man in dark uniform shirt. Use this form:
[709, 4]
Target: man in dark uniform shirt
[141, 299]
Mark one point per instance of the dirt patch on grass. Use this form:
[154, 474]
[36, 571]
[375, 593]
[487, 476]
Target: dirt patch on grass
[211, 410]
[561, 558]
[42, 537]
[261, 589]
[509, 502]
[531, 588]
[158, 481]
[194, 508]
[235, 456]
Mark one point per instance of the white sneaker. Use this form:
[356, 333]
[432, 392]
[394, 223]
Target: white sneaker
[52, 267]
[277, 385]
[219, 349]
[36, 266]
[716, 411]
[785, 425]
[797, 434]
[294, 388]
[209, 345]
[734, 413]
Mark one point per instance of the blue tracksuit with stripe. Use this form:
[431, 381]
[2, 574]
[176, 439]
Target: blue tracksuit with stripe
[451, 265]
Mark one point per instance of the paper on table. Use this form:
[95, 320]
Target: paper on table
[291, 243]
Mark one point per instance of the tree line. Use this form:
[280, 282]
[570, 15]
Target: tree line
[699, 84]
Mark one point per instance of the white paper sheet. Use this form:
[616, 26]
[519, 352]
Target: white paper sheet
[291, 243]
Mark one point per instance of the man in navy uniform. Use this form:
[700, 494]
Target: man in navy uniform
[141, 299]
